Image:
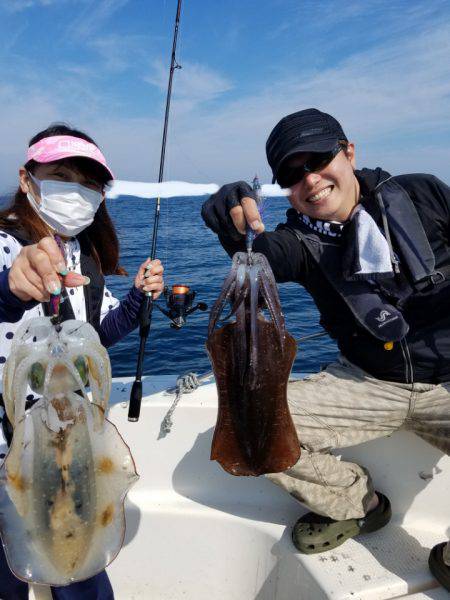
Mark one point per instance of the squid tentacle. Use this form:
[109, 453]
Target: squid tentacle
[242, 287]
[227, 288]
[272, 285]
[100, 385]
[254, 296]
[240, 290]
[249, 282]
[273, 304]
[217, 308]
[17, 395]
[241, 343]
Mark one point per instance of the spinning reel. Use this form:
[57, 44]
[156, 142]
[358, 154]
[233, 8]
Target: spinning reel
[179, 302]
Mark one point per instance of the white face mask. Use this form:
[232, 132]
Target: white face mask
[66, 207]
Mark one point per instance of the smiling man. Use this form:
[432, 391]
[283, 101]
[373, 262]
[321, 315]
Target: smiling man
[373, 250]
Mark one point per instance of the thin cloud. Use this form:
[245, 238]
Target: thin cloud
[93, 17]
[372, 19]
[13, 6]
[119, 52]
[195, 84]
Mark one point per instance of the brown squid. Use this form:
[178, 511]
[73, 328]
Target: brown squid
[252, 359]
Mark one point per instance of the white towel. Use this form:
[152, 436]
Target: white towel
[367, 254]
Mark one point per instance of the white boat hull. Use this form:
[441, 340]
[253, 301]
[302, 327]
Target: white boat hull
[195, 532]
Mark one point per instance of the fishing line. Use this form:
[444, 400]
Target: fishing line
[311, 336]
[165, 203]
[167, 212]
[193, 165]
[166, 234]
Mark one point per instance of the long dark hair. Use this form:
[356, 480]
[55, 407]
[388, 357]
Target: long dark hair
[101, 234]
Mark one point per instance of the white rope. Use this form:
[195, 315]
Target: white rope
[186, 384]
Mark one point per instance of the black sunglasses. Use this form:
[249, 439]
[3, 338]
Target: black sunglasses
[289, 176]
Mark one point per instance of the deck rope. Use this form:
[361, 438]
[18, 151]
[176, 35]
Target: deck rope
[185, 384]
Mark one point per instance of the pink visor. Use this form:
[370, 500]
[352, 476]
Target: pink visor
[57, 147]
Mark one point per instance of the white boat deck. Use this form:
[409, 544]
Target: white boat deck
[195, 532]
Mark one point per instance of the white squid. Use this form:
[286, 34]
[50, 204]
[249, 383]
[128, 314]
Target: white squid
[65, 477]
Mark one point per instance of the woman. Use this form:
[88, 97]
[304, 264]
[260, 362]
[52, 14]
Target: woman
[62, 191]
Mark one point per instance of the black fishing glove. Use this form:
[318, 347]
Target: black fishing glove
[216, 210]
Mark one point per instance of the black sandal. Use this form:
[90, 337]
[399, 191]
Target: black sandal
[438, 567]
[314, 533]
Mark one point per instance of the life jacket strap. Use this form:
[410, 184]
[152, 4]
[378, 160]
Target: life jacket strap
[439, 276]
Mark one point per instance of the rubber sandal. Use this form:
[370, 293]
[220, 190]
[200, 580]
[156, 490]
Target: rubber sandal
[438, 567]
[315, 533]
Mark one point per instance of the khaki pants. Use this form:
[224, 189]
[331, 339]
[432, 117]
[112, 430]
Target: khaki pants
[343, 406]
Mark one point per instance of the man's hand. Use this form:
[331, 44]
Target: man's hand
[38, 271]
[231, 209]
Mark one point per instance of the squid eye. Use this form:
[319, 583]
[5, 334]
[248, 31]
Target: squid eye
[82, 367]
[36, 377]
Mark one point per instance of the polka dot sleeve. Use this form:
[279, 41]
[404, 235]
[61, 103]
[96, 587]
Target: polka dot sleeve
[9, 249]
[109, 302]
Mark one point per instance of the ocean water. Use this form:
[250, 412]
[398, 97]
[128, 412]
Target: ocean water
[192, 255]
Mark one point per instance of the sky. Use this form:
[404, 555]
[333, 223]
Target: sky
[382, 68]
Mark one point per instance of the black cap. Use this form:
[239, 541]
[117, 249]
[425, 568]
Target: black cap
[309, 130]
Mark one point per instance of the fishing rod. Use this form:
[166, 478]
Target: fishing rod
[179, 302]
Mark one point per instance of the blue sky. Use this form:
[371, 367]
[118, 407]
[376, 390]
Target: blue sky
[381, 67]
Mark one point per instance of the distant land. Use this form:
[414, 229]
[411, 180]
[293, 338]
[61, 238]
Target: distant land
[169, 189]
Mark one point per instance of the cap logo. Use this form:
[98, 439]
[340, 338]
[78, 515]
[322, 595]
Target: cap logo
[310, 132]
[58, 147]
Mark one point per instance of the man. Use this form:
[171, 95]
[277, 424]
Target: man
[374, 253]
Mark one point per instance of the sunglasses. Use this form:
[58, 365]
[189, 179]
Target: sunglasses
[316, 162]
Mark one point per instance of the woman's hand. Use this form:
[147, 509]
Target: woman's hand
[149, 278]
[38, 271]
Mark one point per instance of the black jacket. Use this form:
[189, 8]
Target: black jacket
[424, 355]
